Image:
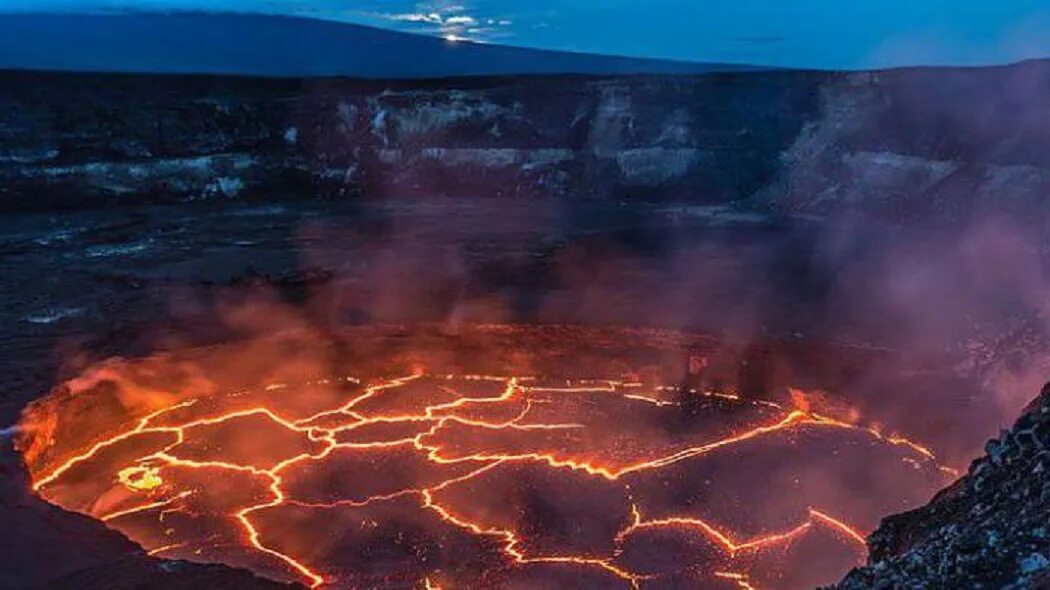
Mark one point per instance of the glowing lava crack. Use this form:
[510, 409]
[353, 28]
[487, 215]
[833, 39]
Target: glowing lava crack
[461, 481]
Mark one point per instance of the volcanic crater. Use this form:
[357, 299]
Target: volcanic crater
[604, 461]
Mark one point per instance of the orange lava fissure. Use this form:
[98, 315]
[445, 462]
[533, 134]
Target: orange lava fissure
[471, 479]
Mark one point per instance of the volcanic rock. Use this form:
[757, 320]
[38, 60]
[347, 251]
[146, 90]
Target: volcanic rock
[990, 529]
[905, 144]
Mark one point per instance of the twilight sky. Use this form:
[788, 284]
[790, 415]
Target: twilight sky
[799, 33]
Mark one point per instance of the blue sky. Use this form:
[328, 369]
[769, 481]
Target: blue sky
[799, 33]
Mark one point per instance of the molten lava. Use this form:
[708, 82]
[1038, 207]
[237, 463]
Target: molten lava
[467, 481]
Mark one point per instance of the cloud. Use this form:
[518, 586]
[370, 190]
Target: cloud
[418, 17]
[451, 21]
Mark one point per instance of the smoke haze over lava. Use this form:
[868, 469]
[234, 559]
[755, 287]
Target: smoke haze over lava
[457, 480]
[308, 454]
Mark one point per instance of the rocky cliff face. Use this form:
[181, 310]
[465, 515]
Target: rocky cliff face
[988, 530]
[936, 142]
[70, 139]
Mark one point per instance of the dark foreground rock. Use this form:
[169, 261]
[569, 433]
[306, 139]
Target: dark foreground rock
[140, 574]
[47, 548]
[991, 529]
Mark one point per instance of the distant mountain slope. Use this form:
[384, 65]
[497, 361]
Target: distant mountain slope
[259, 45]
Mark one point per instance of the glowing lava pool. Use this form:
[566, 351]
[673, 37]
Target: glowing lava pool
[426, 479]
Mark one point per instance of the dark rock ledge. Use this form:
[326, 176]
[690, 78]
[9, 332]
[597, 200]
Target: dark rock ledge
[990, 529]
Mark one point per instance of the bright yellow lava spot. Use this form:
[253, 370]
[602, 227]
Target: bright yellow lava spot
[140, 479]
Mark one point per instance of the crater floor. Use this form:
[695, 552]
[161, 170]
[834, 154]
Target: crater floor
[453, 481]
